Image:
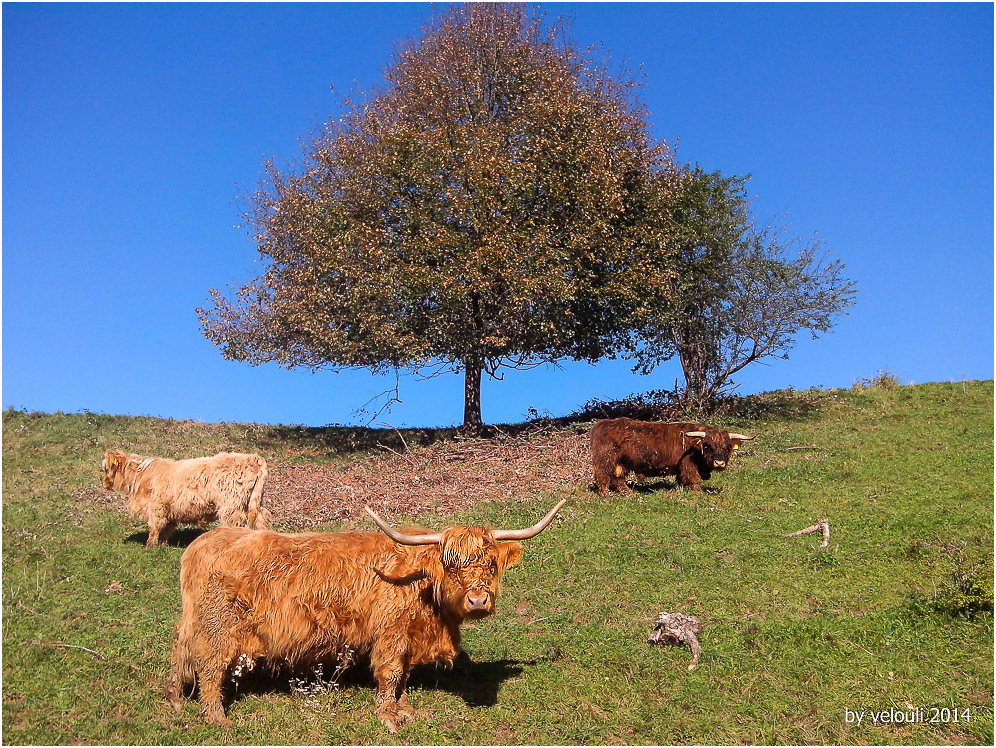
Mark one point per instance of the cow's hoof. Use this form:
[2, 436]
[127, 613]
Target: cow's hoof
[393, 718]
[405, 710]
[213, 718]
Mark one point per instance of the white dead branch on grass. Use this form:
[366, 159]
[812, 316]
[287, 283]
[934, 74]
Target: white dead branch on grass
[823, 525]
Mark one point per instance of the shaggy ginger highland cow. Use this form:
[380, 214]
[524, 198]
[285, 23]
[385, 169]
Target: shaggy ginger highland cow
[165, 493]
[302, 599]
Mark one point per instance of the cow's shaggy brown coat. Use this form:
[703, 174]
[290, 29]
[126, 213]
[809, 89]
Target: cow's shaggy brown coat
[306, 598]
[165, 493]
[690, 451]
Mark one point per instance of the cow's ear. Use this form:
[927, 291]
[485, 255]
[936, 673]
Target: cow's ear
[411, 563]
[509, 552]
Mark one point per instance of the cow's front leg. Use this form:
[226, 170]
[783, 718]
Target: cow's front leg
[393, 708]
[689, 476]
[405, 709]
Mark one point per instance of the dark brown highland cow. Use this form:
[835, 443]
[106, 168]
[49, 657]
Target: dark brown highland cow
[691, 451]
[305, 598]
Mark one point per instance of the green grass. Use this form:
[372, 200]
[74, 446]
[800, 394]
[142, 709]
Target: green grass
[794, 635]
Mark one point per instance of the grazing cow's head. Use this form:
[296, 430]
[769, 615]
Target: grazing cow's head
[465, 563]
[113, 465]
[715, 445]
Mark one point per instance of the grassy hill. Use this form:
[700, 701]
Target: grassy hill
[798, 640]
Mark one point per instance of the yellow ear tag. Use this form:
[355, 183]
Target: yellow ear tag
[736, 446]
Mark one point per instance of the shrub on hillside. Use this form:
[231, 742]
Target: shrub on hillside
[652, 405]
[883, 380]
[668, 405]
[967, 591]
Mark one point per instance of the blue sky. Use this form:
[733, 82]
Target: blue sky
[130, 133]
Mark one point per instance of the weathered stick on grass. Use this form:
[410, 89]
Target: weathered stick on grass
[63, 645]
[823, 525]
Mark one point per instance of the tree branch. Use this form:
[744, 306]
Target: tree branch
[822, 525]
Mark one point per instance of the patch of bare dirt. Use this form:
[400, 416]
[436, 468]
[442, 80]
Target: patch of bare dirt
[97, 496]
[440, 479]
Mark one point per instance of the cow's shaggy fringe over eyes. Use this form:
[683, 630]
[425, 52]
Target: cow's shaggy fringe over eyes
[465, 547]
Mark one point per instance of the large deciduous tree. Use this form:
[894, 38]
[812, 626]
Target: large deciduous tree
[742, 293]
[499, 203]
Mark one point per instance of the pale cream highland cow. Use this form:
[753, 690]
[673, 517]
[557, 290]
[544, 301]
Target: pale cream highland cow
[165, 493]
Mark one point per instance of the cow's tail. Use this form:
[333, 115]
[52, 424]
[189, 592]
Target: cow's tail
[259, 517]
[182, 671]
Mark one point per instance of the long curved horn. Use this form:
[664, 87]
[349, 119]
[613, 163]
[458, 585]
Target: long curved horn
[529, 532]
[400, 537]
[694, 434]
[741, 437]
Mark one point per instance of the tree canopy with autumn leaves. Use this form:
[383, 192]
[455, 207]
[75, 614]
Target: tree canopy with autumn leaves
[491, 207]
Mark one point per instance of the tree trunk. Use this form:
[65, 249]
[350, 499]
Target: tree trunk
[472, 422]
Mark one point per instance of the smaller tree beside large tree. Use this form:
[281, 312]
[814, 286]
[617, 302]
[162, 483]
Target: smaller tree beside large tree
[742, 294]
